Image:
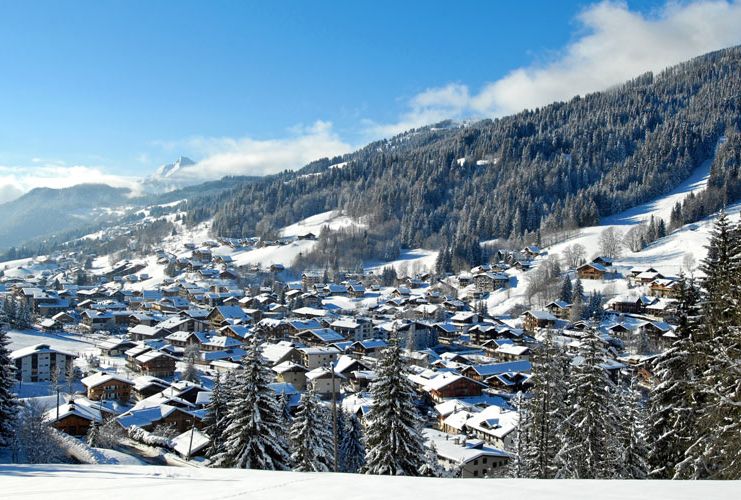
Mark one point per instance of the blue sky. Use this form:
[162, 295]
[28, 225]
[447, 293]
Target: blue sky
[113, 89]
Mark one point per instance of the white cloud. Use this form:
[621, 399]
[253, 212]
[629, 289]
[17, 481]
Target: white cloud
[16, 180]
[248, 156]
[614, 45]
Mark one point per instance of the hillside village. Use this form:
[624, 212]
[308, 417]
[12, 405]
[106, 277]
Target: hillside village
[150, 356]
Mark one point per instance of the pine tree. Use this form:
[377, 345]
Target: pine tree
[542, 413]
[431, 466]
[352, 449]
[8, 402]
[311, 437]
[588, 432]
[394, 442]
[633, 451]
[672, 405]
[214, 423]
[721, 269]
[566, 290]
[255, 437]
[714, 452]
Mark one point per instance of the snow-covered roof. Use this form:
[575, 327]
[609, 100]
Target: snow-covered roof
[99, 378]
[37, 349]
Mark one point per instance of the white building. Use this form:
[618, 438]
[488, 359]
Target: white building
[37, 363]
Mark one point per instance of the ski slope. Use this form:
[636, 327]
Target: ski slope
[113, 482]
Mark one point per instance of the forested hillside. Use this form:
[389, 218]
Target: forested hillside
[562, 166]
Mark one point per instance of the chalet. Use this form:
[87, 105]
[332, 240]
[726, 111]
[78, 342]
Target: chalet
[532, 320]
[154, 363]
[482, 373]
[146, 386]
[448, 385]
[474, 458]
[40, 363]
[512, 352]
[531, 251]
[356, 289]
[93, 321]
[181, 419]
[224, 315]
[629, 304]
[291, 373]
[144, 332]
[114, 346]
[605, 261]
[311, 278]
[559, 309]
[73, 418]
[591, 271]
[664, 287]
[489, 282]
[107, 386]
[370, 348]
[647, 276]
[494, 425]
[319, 337]
[324, 381]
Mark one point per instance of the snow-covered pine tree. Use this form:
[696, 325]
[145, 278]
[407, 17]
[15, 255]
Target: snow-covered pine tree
[352, 449]
[431, 466]
[311, 437]
[721, 268]
[578, 290]
[394, 442]
[671, 425]
[567, 291]
[541, 414]
[714, 453]
[588, 432]
[633, 452]
[285, 408]
[255, 436]
[215, 421]
[8, 402]
[516, 468]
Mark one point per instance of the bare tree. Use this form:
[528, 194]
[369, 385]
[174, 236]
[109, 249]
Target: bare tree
[574, 255]
[688, 262]
[634, 238]
[611, 243]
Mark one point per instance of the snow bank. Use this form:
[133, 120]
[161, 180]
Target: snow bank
[120, 482]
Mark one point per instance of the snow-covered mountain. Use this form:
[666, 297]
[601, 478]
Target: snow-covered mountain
[181, 173]
[175, 168]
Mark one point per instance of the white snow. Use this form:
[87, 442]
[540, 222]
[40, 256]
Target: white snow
[144, 482]
[409, 262]
[67, 343]
[314, 224]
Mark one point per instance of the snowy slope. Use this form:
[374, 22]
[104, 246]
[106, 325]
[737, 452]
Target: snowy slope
[666, 255]
[314, 224]
[124, 482]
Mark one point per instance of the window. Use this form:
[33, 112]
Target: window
[483, 461]
[475, 473]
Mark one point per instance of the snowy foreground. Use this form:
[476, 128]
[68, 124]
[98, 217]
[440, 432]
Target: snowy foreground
[112, 482]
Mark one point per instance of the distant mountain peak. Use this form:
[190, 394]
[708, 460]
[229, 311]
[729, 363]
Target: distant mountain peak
[171, 169]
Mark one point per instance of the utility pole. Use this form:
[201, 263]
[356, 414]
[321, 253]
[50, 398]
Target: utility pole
[334, 418]
[192, 430]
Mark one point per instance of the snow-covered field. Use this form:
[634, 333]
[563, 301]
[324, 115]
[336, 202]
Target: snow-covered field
[113, 482]
[68, 343]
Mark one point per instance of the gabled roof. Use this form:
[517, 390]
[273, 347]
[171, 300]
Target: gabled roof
[99, 378]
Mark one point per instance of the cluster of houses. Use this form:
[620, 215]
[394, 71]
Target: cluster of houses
[315, 332]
